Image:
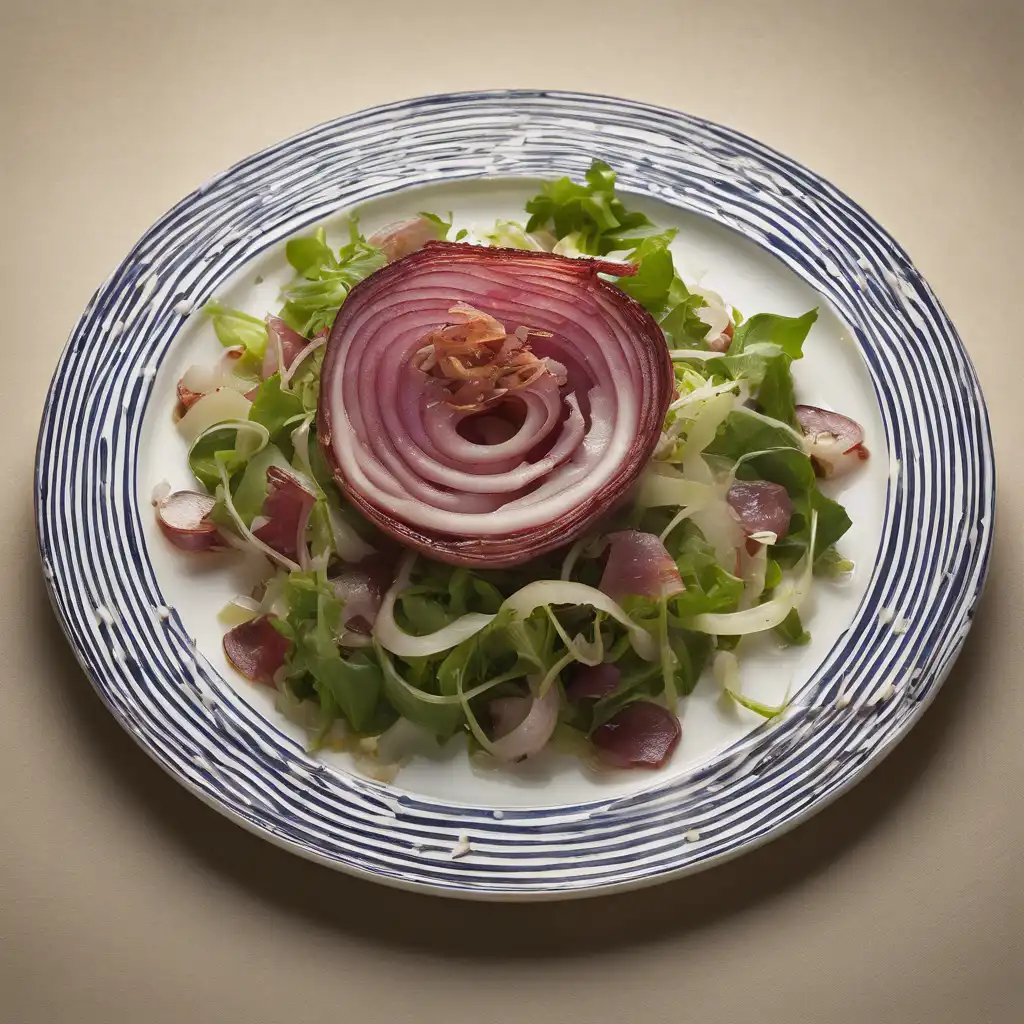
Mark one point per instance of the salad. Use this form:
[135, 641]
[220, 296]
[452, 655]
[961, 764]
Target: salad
[523, 485]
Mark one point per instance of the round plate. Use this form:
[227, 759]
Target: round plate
[753, 224]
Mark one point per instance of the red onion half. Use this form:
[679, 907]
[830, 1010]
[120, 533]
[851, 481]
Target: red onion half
[455, 346]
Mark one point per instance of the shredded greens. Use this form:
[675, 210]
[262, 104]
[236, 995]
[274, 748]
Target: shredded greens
[448, 641]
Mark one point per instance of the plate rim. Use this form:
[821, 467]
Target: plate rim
[981, 557]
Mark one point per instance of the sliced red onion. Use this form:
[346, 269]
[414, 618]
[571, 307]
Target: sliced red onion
[641, 735]
[405, 236]
[833, 441]
[391, 430]
[183, 517]
[285, 515]
[591, 682]
[523, 725]
[256, 649]
[761, 507]
[639, 566]
[283, 346]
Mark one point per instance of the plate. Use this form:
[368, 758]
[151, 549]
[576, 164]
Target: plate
[754, 225]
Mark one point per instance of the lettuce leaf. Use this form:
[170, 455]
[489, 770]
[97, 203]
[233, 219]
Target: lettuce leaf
[235, 328]
[323, 279]
[276, 409]
[592, 211]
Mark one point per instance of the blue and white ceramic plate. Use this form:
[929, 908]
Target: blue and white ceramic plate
[754, 225]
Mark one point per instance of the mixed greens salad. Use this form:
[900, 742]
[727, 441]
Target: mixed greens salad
[365, 640]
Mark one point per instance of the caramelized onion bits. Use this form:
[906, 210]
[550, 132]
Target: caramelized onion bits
[569, 377]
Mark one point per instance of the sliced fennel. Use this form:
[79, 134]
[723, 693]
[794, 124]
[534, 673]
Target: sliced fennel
[726, 670]
[770, 614]
[524, 601]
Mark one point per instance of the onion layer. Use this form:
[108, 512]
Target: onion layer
[577, 369]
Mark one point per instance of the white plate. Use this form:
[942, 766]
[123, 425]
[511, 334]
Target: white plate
[752, 225]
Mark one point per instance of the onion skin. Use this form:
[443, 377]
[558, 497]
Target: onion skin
[503, 289]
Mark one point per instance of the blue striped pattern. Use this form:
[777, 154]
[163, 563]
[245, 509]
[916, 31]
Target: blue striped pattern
[930, 568]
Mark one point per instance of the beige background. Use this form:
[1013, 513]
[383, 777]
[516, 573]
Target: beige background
[123, 899]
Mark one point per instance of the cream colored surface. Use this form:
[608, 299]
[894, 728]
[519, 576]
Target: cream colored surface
[123, 899]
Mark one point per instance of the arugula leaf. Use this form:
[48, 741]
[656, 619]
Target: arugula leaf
[233, 328]
[353, 685]
[311, 254]
[441, 593]
[742, 434]
[833, 565]
[775, 395]
[251, 491]
[788, 332]
[223, 444]
[682, 326]
[443, 720]
[592, 212]
[791, 630]
[709, 587]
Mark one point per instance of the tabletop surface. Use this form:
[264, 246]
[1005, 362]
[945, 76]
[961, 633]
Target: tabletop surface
[123, 898]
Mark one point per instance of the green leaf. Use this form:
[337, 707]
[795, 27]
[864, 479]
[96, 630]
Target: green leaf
[276, 409]
[788, 332]
[251, 491]
[222, 444]
[791, 630]
[591, 212]
[401, 691]
[682, 326]
[443, 226]
[323, 279]
[354, 684]
[311, 254]
[831, 564]
[775, 394]
[233, 328]
[655, 272]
